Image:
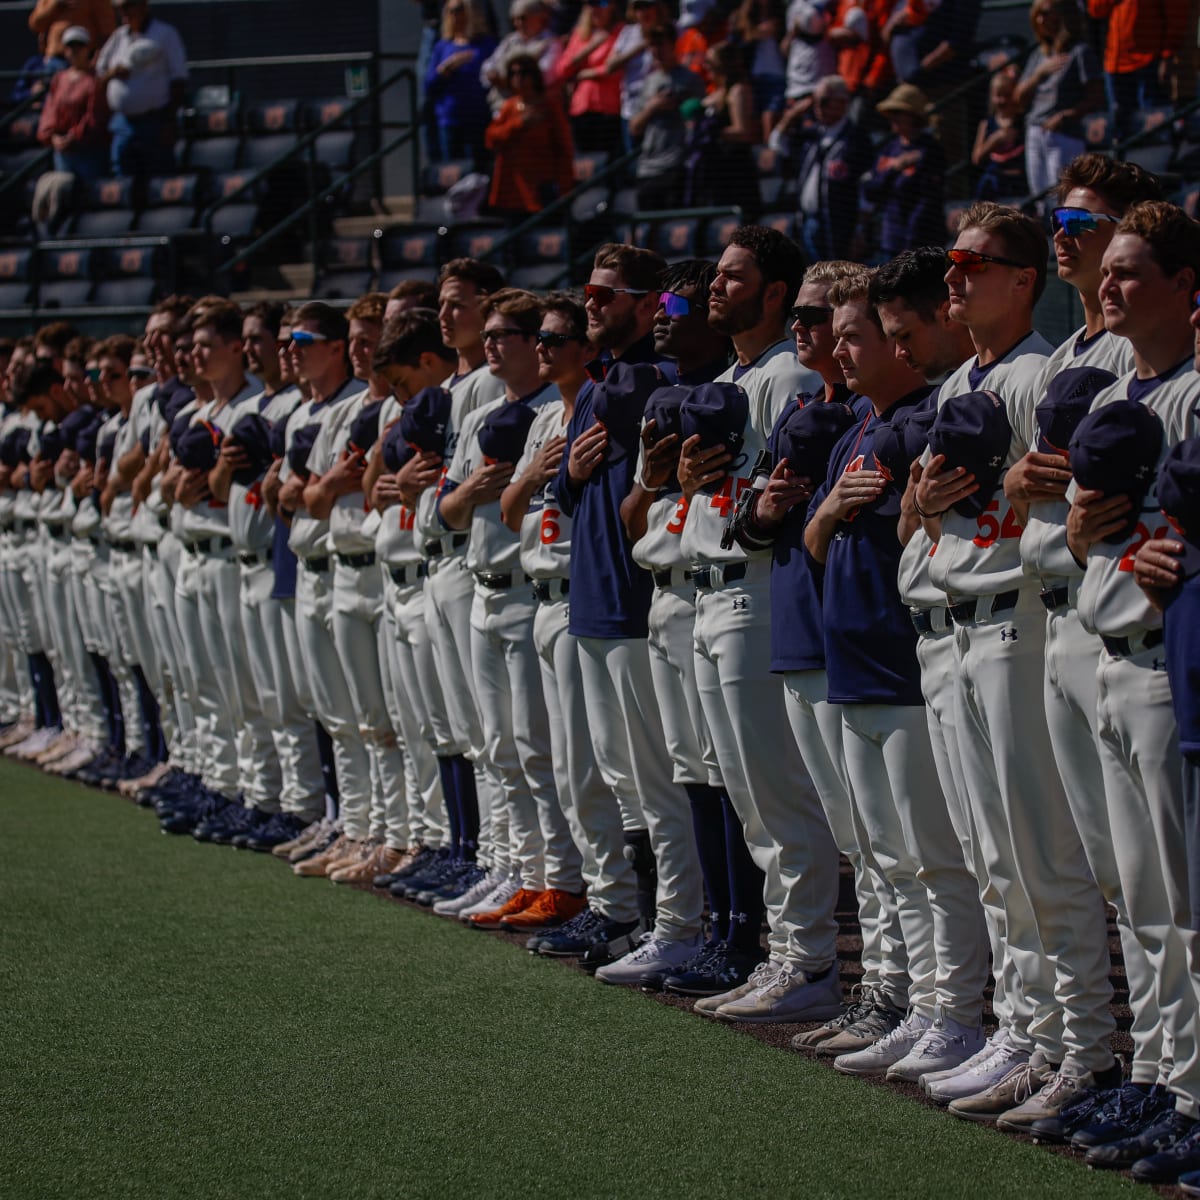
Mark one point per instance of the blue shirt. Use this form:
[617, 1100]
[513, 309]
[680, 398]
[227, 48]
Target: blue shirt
[610, 593]
[797, 634]
[870, 646]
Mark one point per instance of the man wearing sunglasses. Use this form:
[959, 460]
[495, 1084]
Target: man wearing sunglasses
[506, 675]
[1094, 191]
[1053, 912]
[609, 615]
[319, 337]
[758, 275]
[1150, 273]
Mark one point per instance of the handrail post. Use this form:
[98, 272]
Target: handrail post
[314, 217]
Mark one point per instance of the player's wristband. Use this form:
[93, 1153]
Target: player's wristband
[927, 516]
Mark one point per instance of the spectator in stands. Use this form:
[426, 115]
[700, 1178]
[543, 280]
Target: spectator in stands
[52, 18]
[907, 184]
[1060, 85]
[701, 26]
[862, 61]
[595, 108]
[811, 54]
[452, 80]
[831, 153]
[631, 56]
[74, 118]
[721, 167]
[931, 44]
[999, 151]
[143, 68]
[531, 35]
[758, 26]
[1143, 42]
[532, 143]
[659, 125]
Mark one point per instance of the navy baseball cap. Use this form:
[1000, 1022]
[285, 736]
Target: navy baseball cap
[808, 434]
[619, 401]
[179, 427]
[663, 409]
[364, 429]
[1068, 398]
[896, 443]
[972, 432]
[503, 432]
[396, 450]
[178, 400]
[1115, 450]
[253, 433]
[1179, 487]
[199, 446]
[52, 443]
[14, 450]
[301, 447]
[718, 413]
[424, 419]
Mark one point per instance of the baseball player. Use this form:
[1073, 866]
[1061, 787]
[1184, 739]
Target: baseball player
[530, 508]
[1149, 274]
[507, 675]
[758, 275]
[874, 675]
[609, 618]
[654, 514]
[798, 654]
[1094, 191]
[1054, 922]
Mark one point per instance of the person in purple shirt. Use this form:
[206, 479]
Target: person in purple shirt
[452, 81]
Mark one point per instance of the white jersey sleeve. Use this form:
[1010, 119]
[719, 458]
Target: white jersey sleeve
[545, 529]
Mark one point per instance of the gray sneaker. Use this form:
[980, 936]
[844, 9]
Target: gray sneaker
[791, 995]
[862, 1000]
[891, 1048]
[762, 975]
[879, 1019]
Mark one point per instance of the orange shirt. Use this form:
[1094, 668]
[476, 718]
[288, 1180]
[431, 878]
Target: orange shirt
[96, 16]
[529, 156]
[1140, 32]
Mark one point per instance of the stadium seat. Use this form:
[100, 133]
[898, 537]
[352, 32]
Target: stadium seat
[14, 277]
[107, 208]
[346, 269]
[716, 235]
[674, 237]
[474, 239]
[65, 277]
[171, 203]
[436, 180]
[586, 165]
[211, 139]
[409, 248]
[270, 130]
[128, 276]
[1097, 131]
[782, 220]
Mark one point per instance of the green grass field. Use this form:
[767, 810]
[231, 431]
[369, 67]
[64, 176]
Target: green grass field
[187, 1020]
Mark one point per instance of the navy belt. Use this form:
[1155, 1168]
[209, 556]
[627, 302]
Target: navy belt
[716, 574]
[667, 577]
[128, 547]
[60, 533]
[924, 619]
[1123, 647]
[208, 545]
[357, 561]
[966, 612]
[549, 590]
[1054, 598]
[406, 575]
[497, 581]
[253, 557]
[164, 523]
[436, 549]
[317, 565]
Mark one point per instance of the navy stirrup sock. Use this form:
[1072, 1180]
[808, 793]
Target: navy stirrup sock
[468, 805]
[746, 907]
[708, 820]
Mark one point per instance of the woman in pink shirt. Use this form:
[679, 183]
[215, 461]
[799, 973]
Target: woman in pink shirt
[595, 108]
[74, 119]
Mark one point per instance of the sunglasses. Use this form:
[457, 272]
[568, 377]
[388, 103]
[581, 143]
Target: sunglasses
[604, 296]
[1074, 221]
[810, 315]
[1195, 301]
[93, 374]
[555, 340]
[140, 372]
[972, 262]
[495, 335]
[673, 304]
[302, 337]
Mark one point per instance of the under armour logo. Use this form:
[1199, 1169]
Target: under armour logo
[1158, 665]
[740, 603]
[1008, 634]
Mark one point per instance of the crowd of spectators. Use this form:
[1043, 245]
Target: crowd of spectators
[846, 93]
